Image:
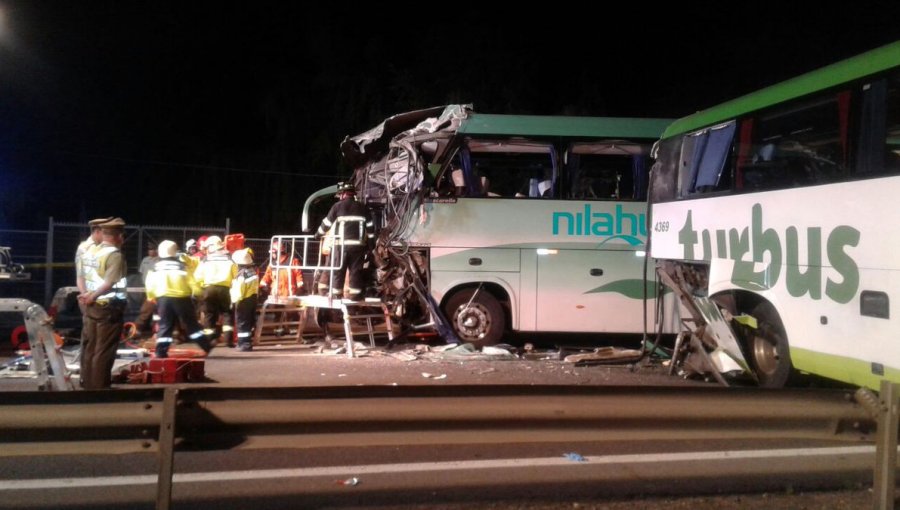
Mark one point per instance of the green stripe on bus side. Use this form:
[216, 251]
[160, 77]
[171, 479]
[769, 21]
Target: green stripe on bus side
[841, 368]
[549, 125]
[632, 288]
[874, 61]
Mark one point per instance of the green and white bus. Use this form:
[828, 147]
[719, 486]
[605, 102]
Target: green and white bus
[778, 205]
[504, 223]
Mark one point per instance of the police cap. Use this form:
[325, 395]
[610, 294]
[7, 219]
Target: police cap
[113, 226]
[96, 222]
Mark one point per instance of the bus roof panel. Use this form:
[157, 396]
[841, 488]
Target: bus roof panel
[871, 62]
[543, 125]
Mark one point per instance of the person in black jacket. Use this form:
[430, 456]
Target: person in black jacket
[349, 222]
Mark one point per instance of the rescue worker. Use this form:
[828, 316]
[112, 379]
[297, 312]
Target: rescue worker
[170, 284]
[351, 241]
[201, 247]
[284, 281]
[147, 314]
[104, 300]
[214, 275]
[94, 239]
[190, 247]
[244, 295]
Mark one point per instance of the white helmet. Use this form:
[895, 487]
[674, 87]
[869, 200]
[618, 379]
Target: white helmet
[242, 257]
[214, 243]
[167, 249]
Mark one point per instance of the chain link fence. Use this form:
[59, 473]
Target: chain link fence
[49, 255]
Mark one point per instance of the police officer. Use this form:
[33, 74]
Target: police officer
[347, 215]
[95, 238]
[104, 300]
[171, 284]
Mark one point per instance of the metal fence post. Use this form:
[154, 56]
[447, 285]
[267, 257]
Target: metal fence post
[886, 446]
[166, 450]
[48, 270]
[140, 246]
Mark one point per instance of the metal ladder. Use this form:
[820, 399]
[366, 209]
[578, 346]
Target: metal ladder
[46, 360]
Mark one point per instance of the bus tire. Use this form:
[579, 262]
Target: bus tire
[482, 322]
[770, 355]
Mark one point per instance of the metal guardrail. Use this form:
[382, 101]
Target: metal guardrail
[34, 423]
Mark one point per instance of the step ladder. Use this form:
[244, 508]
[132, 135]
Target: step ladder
[368, 310]
[280, 320]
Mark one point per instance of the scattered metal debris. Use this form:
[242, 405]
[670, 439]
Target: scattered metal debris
[603, 355]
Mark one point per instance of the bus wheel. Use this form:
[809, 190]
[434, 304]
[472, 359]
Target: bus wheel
[480, 322]
[769, 352]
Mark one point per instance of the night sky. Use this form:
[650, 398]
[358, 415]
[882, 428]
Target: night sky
[187, 112]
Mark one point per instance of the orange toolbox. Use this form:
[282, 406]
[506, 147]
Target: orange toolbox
[176, 370]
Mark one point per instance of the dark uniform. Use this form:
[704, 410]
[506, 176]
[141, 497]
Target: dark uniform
[104, 275]
[346, 216]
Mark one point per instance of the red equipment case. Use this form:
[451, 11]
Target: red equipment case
[234, 242]
[176, 370]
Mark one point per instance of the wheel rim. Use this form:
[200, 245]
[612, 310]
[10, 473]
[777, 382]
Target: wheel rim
[765, 354]
[472, 322]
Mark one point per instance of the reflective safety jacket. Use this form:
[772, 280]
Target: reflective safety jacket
[245, 284]
[170, 277]
[83, 248]
[348, 214]
[94, 264]
[284, 281]
[217, 269]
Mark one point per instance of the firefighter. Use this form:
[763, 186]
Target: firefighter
[352, 241]
[244, 290]
[171, 285]
[104, 301]
[284, 281]
[214, 275]
[190, 247]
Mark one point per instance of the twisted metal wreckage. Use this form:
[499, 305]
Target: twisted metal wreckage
[396, 164]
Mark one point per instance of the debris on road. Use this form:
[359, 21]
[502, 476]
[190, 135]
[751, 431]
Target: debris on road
[349, 481]
[604, 355]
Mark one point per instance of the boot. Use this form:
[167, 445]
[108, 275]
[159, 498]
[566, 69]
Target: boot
[162, 349]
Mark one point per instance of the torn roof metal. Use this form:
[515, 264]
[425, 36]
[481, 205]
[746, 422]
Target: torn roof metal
[357, 149]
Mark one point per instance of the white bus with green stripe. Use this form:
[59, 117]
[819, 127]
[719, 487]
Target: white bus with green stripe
[778, 205]
[511, 222]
